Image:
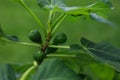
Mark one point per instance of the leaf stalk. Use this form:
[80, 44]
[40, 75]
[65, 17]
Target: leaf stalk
[29, 70]
[33, 15]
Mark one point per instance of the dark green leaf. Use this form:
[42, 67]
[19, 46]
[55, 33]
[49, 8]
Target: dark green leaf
[86, 42]
[50, 4]
[51, 50]
[103, 52]
[76, 54]
[75, 58]
[82, 76]
[9, 37]
[75, 48]
[12, 38]
[55, 69]
[7, 72]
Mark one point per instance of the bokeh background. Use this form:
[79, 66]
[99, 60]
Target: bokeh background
[15, 20]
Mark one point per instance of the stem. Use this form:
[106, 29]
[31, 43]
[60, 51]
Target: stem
[50, 21]
[27, 73]
[21, 43]
[48, 36]
[57, 23]
[60, 56]
[55, 46]
[33, 15]
[86, 50]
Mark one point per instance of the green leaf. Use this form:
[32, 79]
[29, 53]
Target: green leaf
[108, 3]
[74, 57]
[50, 4]
[99, 72]
[9, 37]
[99, 18]
[57, 5]
[58, 78]
[103, 52]
[7, 72]
[77, 63]
[75, 53]
[97, 11]
[116, 76]
[54, 69]
[12, 38]
[75, 48]
[81, 57]
[99, 7]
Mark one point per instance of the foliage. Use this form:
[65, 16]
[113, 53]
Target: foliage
[57, 61]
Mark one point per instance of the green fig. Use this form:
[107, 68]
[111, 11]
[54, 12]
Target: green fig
[51, 50]
[35, 36]
[60, 38]
[39, 56]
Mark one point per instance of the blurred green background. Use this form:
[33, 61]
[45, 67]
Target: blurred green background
[15, 20]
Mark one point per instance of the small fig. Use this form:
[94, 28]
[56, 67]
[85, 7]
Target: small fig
[51, 50]
[60, 38]
[35, 36]
[39, 56]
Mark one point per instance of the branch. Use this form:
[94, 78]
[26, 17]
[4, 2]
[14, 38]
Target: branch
[57, 23]
[21, 43]
[55, 46]
[60, 56]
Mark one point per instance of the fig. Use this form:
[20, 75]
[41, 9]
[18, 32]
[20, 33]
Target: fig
[60, 38]
[35, 36]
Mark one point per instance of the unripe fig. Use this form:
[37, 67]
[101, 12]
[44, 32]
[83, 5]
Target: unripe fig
[60, 38]
[51, 50]
[35, 36]
[38, 56]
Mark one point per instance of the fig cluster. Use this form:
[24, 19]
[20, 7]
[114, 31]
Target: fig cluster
[35, 36]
